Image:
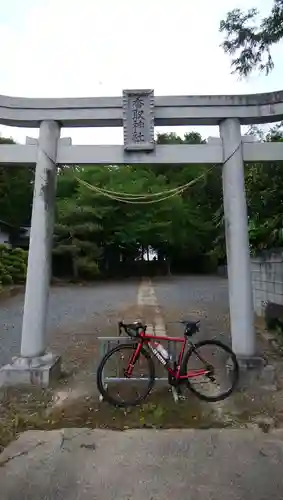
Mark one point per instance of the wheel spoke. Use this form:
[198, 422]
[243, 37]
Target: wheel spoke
[218, 383]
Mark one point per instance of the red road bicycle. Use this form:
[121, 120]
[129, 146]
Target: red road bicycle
[208, 360]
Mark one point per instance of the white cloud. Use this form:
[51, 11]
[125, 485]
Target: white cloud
[77, 48]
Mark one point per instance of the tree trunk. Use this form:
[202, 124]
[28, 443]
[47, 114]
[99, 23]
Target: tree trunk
[147, 253]
[168, 267]
[74, 263]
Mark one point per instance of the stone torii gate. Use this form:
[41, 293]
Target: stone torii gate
[138, 111]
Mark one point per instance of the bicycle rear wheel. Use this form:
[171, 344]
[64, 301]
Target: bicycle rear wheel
[215, 356]
[112, 383]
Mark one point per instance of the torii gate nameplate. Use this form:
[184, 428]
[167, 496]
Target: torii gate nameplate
[138, 120]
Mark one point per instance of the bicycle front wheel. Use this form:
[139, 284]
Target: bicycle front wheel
[222, 366]
[112, 383]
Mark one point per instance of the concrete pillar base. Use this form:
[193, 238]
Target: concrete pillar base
[255, 372]
[40, 371]
[247, 363]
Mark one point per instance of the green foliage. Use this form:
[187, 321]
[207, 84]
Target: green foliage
[264, 191]
[16, 187]
[249, 43]
[13, 265]
[97, 234]
[264, 185]
[109, 234]
[87, 268]
[172, 138]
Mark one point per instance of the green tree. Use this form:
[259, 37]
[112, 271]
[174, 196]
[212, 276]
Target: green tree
[16, 188]
[114, 234]
[76, 226]
[248, 42]
[264, 186]
[95, 233]
[128, 228]
[200, 202]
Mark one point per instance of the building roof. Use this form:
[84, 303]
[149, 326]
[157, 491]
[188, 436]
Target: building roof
[7, 225]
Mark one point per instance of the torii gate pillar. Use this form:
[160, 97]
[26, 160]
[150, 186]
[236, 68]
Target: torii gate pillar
[35, 365]
[237, 240]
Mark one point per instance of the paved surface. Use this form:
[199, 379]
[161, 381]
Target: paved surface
[201, 297]
[72, 310]
[144, 465]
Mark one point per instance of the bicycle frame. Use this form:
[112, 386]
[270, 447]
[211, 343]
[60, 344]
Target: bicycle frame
[145, 338]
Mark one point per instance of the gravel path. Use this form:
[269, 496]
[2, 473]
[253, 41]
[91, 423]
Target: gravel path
[196, 297]
[72, 310]
[78, 314]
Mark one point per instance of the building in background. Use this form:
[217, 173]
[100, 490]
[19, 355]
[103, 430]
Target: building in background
[14, 236]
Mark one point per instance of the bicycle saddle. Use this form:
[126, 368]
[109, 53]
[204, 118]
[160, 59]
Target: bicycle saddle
[191, 326]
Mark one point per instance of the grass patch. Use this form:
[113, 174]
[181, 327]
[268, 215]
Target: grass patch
[160, 411]
[23, 409]
[20, 410]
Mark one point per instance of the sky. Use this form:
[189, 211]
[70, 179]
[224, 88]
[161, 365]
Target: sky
[88, 48]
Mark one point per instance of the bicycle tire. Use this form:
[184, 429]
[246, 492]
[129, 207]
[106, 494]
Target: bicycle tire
[99, 379]
[234, 372]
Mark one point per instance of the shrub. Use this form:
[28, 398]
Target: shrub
[7, 279]
[13, 265]
[87, 268]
